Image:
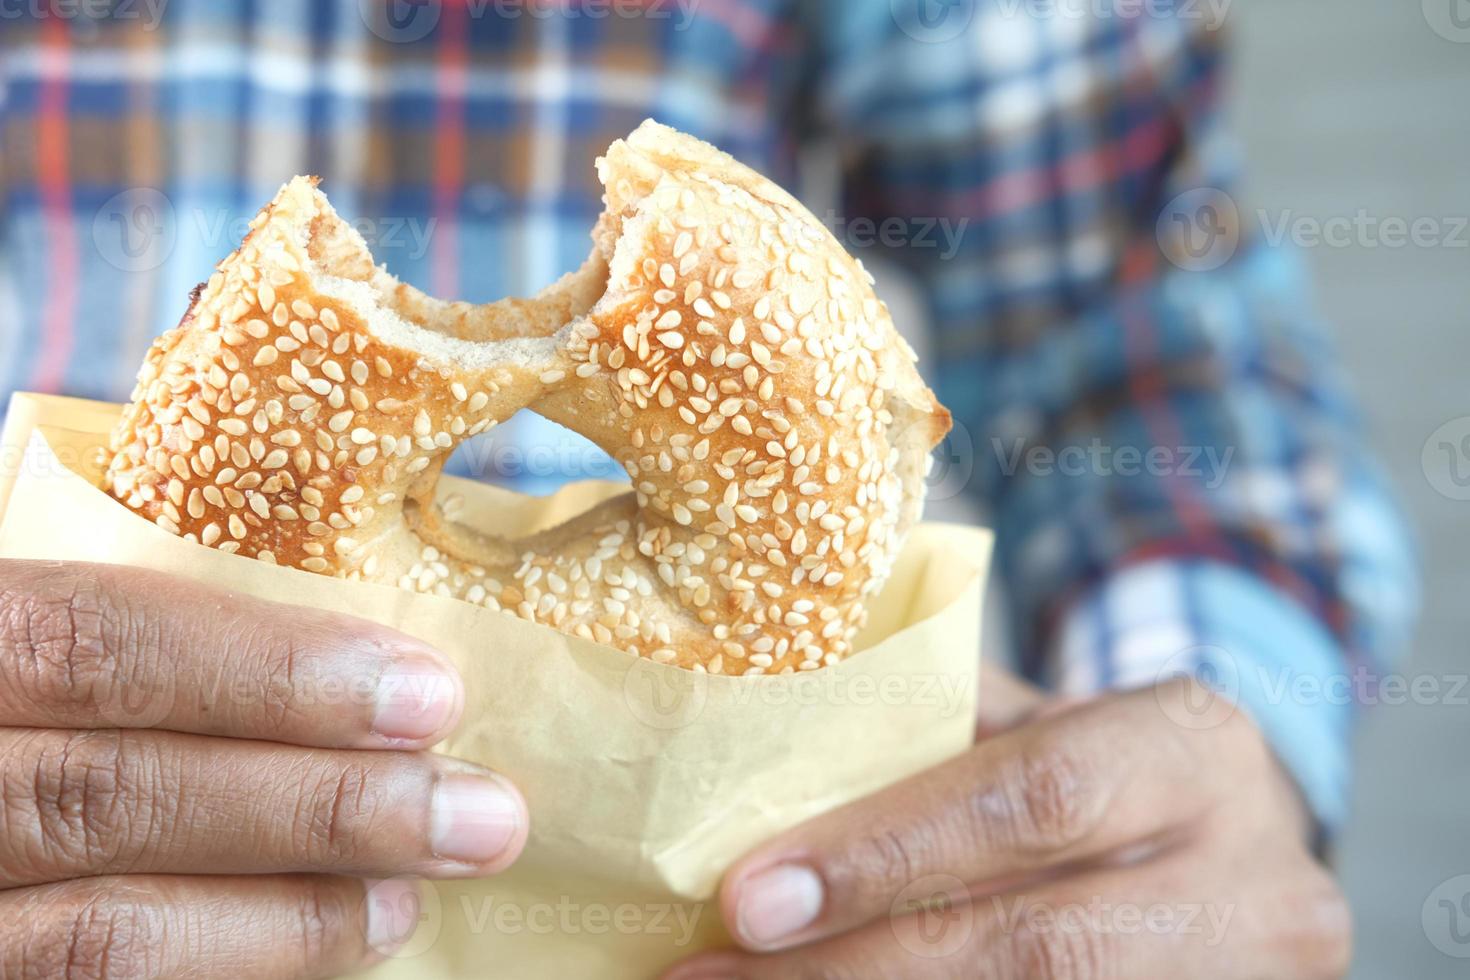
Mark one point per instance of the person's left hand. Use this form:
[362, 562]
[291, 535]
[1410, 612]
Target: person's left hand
[1150, 834]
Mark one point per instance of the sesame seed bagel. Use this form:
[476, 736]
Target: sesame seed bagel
[719, 343]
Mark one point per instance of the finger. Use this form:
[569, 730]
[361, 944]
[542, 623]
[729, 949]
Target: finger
[1005, 700]
[123, 802]
[1098, 781]
[96, 646]
[1164, 920]
[266, 926]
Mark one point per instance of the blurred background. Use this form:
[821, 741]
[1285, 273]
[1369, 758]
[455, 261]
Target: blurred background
[1361, 105]
[1358, 111]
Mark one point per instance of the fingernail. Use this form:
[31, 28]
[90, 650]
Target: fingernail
[414, 702]
[777, 903]
[473, 819]
[393, 913]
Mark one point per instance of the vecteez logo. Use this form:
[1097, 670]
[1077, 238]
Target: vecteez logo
[662, 697]
[135, 230]
[86, 14]
[1199, 231]
[1446, 917]
[1211, 699]
[933, 21]
[401, 21]
[932, 917]
[1445, 459]
[1450, 19]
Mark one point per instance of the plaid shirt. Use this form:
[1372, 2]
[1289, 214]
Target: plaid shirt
[1144, 403]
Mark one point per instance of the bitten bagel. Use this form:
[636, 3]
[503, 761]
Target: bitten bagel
[719, 343]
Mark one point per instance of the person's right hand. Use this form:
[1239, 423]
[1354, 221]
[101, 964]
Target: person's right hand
[195, 782]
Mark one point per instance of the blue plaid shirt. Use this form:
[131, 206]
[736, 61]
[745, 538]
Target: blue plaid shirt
[1143, 399]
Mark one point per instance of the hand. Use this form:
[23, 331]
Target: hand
[1139, 835]
[190, 781]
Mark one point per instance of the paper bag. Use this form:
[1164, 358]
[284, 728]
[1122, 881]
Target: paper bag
[644, 782]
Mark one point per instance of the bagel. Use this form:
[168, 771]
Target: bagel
[718, 342]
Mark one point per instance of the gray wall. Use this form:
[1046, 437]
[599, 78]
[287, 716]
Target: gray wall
[1362, 104]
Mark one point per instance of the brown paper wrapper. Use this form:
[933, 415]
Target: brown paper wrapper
[644, 782]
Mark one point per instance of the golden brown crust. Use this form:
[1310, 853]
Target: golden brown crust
[719, 343]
